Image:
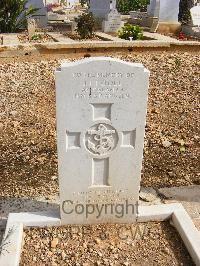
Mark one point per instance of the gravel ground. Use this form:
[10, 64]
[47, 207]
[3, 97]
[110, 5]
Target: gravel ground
[39, 38]
[76, 37]
[147, 244]
[28, 142]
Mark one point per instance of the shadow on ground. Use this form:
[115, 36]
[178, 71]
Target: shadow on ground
[8, 205]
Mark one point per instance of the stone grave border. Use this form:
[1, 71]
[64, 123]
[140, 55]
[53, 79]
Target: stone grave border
[173, 212]
[13, 48]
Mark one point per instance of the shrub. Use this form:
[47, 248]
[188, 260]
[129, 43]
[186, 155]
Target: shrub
[125, 6]
[85, 25]
[13, 15]
[128, 31]
[36, 37]
[184, 11]
[84, 2]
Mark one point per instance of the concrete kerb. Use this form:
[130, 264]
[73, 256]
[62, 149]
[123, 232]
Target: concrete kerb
[12, 243]
[59, 47]
[174, 212]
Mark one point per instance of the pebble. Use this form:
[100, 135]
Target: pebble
[13, 113]
[166, 143]
[54, 242]
[54, 177]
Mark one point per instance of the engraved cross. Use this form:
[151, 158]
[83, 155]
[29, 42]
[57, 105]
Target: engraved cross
[100, 140]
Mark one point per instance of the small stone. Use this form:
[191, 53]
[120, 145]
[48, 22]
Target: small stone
[171, 174]
[54, 242]
[148, 194]
[63, 255]
[187, 178]
[97, 240]
[166, 250]
[54, 177]
[166, 143]
[13, 113]
[182, 149]
[15, 123]
[182, 142]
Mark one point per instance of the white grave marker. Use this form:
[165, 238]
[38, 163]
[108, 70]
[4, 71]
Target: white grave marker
[195, 14]
[165, 10]
[112, 22]
[153, 9]
[31, 27]
[101, 109]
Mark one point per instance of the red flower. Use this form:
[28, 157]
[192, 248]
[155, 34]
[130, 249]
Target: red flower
[181, 36]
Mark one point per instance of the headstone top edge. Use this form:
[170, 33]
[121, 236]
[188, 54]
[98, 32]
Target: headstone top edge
[66, 65]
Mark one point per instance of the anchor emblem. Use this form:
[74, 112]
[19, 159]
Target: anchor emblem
[101, 140]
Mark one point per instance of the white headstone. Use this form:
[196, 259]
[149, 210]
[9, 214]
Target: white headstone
[41, 15]
[113, 22]
[101, 108]
[165, 10]
[195, 14]
[153, 8]
[100, 8]
[169, 10]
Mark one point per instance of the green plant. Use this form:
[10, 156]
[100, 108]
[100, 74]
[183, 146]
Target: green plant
[125, 6]
[13, 15]
[85, 25]
[36, 37]
[129, 30]
[184, 11]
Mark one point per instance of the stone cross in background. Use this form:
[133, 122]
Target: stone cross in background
[113, 5]
[101, 109]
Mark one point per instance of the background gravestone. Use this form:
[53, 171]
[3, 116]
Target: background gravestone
[41, 15]
[195, 14]
[153, 9]
[161, 16]
[101, 8]
[101, 108]
[169, 10]
[112, 22]
[165, 10]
